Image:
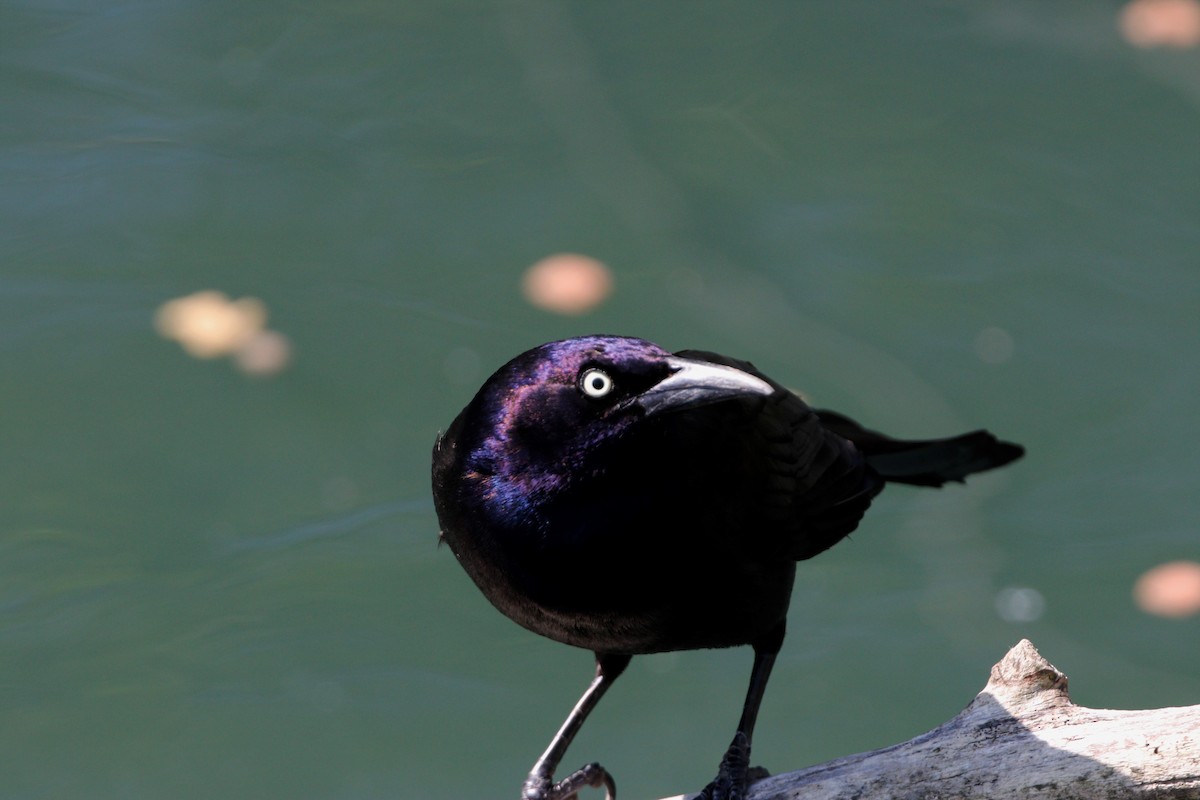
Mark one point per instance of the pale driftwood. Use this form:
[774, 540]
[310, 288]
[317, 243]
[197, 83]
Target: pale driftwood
[1021, 737]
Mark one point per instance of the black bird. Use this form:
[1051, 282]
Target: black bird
[611, 495]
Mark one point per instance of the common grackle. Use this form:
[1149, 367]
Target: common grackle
[611, 495]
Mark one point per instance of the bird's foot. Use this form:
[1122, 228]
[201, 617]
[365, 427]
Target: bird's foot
[543, 787]
[734, 775]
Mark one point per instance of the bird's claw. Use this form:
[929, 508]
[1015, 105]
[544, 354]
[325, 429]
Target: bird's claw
[542, 787]
[733, 776]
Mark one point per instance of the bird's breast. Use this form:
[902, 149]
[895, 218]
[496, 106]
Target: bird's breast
[623, 563]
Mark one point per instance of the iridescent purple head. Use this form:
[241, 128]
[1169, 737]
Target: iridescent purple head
[542, 417]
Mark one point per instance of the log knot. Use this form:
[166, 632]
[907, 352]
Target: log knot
[1023, 677]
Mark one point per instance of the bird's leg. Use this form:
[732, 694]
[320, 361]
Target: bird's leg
[540, 784]
[733, 774]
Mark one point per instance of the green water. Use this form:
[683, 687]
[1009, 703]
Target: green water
[217, 586]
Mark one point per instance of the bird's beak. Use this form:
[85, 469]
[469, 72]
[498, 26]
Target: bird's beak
[697, 383]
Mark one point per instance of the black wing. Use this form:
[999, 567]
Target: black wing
[817, 481]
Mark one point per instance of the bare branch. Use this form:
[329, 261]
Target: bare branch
[1021, 737]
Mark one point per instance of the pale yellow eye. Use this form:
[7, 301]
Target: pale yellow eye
[595, 383]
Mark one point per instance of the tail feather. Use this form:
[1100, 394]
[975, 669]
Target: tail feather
[924, 462]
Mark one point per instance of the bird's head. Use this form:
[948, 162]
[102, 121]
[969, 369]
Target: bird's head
[542, 419]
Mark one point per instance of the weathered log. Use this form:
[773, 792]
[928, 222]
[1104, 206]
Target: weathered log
[1021, 737]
